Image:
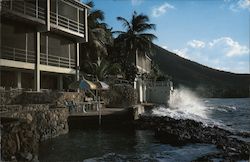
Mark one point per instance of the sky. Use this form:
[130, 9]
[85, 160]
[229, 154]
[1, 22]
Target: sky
[215, 33]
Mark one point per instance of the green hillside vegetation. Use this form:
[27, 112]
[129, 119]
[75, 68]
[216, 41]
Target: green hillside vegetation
[205, 81]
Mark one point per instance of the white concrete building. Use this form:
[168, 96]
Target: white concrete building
[40, 39]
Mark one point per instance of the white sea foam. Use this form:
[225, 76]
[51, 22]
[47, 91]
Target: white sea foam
[184, 104]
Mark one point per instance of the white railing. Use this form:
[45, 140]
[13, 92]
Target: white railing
[59, 61]
[66, 23]
[25, 8]
[166, 83]
[29, 9]
[17, 54]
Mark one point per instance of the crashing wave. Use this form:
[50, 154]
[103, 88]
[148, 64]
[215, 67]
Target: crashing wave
[184, 104]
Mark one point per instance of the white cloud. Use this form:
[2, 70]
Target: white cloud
[136, 2]
[241, 4]
[196, 44]
[222, 53]
[160, 10]
[244, 4]
[229, 46]
[182, 52]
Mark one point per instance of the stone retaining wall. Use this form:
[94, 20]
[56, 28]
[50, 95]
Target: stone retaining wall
[33, 123]
[54, 98]
[50, 122]
[120, 95]
[19, 140]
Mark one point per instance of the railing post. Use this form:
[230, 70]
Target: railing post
[57, 12]
[11, 4]
[47, 49]
[78, 20]
[26, 47]
[68, 23]
[24, 7]
[36, 8]
[14, 53]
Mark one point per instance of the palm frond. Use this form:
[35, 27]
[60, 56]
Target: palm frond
[125, 22]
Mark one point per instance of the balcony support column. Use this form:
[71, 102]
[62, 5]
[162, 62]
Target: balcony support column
[48, 15]
[77, 62]
[69, 57]
[78, 20]
[37, 67]
[47, 50]
[86, 25]
[60, 82]
[19, 80]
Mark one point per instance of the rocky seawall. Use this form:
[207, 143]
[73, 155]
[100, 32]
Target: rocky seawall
[23, 127]
[180, 132]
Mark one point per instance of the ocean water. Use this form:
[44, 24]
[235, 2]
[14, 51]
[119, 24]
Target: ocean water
[137, 145]
[232, 114]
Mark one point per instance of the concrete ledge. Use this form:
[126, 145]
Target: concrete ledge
[17, 64]
[55, 69]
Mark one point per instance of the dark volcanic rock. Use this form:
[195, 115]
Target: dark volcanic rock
[18, 140]
[182, 131]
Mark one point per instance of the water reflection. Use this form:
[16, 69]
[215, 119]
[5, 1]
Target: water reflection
[112, 145]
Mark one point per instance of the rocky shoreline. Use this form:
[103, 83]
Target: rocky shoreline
[184, 131]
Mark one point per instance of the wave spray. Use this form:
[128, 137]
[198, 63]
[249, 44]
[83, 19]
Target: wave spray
[184, 104]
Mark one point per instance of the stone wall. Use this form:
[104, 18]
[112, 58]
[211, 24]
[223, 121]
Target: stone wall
[120, 95]
[9, 96]
[50, 122]
[32, 123]
[19, 140]
[54, 98]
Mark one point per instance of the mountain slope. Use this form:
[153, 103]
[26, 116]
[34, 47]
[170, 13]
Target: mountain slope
[206, 81]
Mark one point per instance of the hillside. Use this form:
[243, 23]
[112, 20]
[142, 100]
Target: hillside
[206, 81]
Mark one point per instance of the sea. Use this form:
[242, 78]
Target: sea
[112, 145]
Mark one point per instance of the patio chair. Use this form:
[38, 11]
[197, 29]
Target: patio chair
[71, 106]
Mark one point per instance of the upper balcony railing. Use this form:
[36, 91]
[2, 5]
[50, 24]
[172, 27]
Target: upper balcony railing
[25, 9]
[66, 23]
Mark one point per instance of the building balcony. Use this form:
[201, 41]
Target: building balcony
[143, 64]
[25, 56]
[16, 54]
[67, 25]
[57, 61]
[24, 10]
[60, 16]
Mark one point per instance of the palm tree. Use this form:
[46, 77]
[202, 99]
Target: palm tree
[135, 38]
[101, 70]
[99, 35]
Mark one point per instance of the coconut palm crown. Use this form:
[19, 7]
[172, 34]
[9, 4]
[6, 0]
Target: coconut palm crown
[136, 37]
[99, 36]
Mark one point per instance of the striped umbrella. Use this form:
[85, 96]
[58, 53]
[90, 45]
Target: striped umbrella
[102, 85]
[83, 84]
